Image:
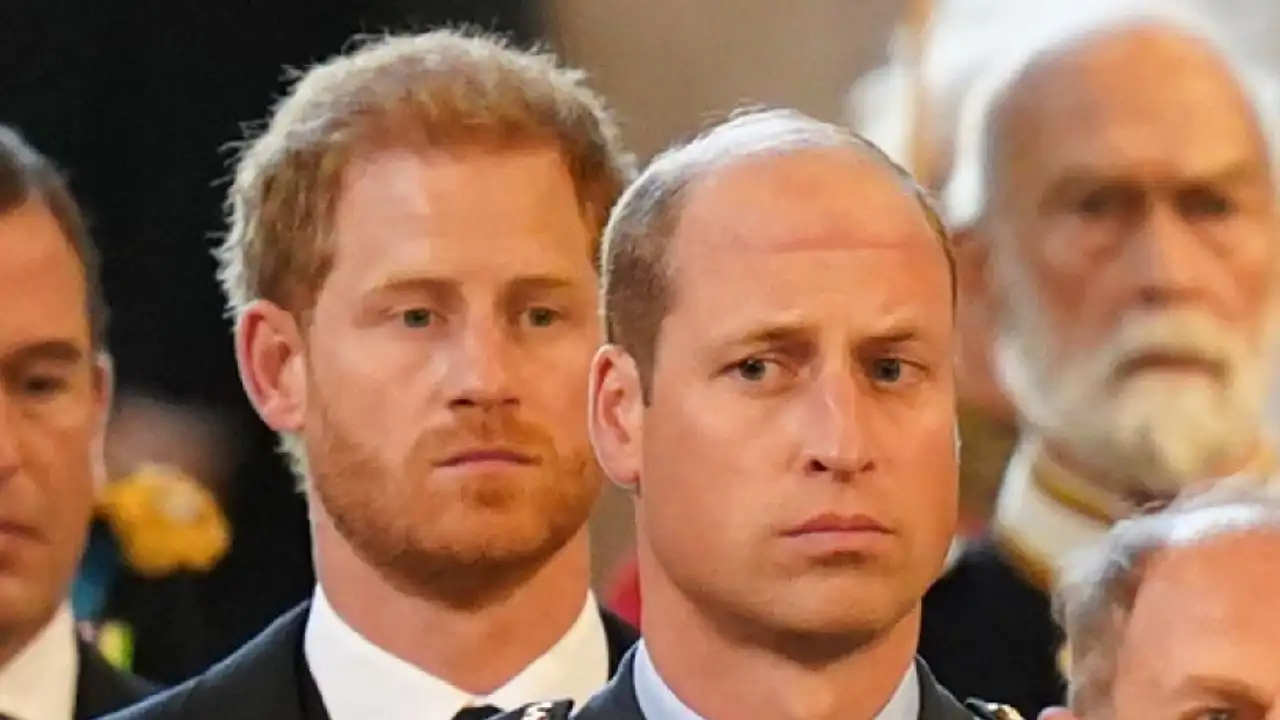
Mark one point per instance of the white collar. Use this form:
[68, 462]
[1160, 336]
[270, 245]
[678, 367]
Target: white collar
[358, 680]
[1044, 531]
[657, 701]
[39, 683]
[1039, 525]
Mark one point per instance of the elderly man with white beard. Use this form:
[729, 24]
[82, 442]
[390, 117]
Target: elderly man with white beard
[1115, 178]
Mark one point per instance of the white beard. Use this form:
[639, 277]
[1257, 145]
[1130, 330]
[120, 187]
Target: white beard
[1152, 431]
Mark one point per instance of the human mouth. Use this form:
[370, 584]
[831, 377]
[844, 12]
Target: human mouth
[14, 535]
[835, 533]
[480, 458]
[1170, 362]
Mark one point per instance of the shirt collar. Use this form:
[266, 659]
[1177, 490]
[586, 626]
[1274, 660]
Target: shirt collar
[1040, 528]
[359, 680]
[40, 682]
[1033, 526]
[658, 701]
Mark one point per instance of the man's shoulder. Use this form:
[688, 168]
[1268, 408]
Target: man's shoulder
[985, 576]
[102, 688]
[984, 710]
[260, 680]
[986, 608]
[563, 710]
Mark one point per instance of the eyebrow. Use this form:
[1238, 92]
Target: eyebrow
[1078, 176]
[1198, 684]
[55, 350]
[796, 335]
[440, 284]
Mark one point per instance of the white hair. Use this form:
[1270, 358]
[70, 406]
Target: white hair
[965, 196]
[1097, 591]
[1156, 433]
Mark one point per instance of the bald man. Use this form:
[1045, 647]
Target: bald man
[1126, 225]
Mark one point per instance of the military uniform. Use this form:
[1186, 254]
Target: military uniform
[618, 702]
[997, 595]
[563, 710]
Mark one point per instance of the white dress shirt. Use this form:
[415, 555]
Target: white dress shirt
[658, 702]
[40, 682]
[359, 680]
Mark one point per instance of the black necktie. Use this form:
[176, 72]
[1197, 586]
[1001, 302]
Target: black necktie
[481, 712]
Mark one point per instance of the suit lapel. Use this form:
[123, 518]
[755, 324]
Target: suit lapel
[268, 677]
[935, 702]
[276, 664]
[617, 701]
[621, 637]
[100, 688]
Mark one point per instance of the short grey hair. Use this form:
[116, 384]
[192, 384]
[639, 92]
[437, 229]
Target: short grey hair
[635, 286]
[1097, 591]
[965, 195]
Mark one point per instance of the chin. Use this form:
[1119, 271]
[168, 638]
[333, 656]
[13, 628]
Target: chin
[863, 608]
[22, 604]
[500, 540]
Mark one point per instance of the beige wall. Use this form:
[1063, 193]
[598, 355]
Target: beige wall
[669, 66]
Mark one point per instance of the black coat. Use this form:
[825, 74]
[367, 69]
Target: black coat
[101, 689]
[987, 602]
[268, 679]
[618, 701]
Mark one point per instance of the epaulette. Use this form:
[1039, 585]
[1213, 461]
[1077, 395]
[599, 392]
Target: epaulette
[991, 711]
[553, 710]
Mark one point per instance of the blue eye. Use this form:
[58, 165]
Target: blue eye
[417, 317]
[542, 316]
[886, 370]
[752, 369]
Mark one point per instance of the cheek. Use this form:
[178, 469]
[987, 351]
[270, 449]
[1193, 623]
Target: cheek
[553, 394]
[701, 464]
[1255, 282]
[922, 465]
[59, 460]
[377, 393]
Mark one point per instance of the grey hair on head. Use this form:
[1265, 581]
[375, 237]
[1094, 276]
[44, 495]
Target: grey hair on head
[965, 197]
[1097, 591]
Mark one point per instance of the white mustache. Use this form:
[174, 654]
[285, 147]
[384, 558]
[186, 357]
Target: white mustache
[1181, 335]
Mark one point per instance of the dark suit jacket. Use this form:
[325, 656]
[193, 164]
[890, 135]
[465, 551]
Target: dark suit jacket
[618, 701]
[101, 689]
[268, 679]
[986, 603]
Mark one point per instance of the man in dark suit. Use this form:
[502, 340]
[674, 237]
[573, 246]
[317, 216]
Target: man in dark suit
[411, 267]
[90, 84]
[55, 393]
[1160, 199]
[778, 397]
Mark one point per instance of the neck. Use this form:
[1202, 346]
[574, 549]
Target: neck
[722, 677]
[13, 640]
[513, 631]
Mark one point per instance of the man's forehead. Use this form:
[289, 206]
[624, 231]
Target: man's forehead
[1219, 569]
[816, 200]
[1103, 86]
[1113, 129]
